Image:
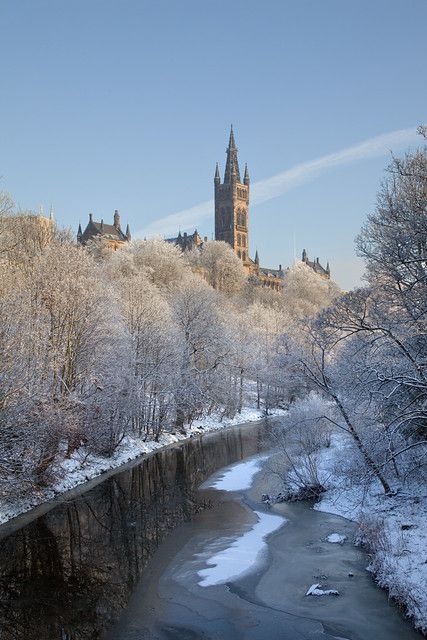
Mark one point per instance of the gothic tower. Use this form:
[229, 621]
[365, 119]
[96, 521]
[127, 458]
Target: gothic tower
[232, 204]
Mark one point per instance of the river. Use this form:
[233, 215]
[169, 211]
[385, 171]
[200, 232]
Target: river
[175, 547]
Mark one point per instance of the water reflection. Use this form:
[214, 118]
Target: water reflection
[68, 574]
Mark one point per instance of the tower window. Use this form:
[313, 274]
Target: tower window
[239, 253]
[243, 241]
[244, 255]
[239, 240]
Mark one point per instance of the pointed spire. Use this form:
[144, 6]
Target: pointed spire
[328, 271]
[128, 235]
[217, 178]
[246, 178]
[90, 218]
[232, 172]
[79, 233]
[102, 225]
[256, 257]
[52, 214]
[231, 142]
[304, 256]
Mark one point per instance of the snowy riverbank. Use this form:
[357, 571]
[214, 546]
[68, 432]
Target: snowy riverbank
[82, 467]
[392, 528]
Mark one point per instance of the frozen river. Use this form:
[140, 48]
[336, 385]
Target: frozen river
[241, 571]
[178, 546]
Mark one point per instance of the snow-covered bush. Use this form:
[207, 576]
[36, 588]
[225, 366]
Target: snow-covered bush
[302, 432]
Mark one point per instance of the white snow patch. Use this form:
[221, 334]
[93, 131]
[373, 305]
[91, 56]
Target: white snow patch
[316, 590]
[243, 555]
[336, 538]
[237, 477]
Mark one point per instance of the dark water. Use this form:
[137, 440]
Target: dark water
[68, 574]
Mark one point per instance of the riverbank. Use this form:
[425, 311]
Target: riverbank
[393, 529]
[81, 467]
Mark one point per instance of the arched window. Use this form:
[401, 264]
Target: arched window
[244, 255]
[239, 253]
[239, 240]
[243, 219]
[243, 241]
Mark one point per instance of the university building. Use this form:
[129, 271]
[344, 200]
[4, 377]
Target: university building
[231, 225]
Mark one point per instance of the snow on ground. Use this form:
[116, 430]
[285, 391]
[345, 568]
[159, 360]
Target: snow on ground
[81, 466]
[240, 557]
[395, 528]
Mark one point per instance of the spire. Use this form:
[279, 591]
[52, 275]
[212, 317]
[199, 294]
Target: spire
[128, 236]
[217, 178]
[232, 172]
[246, 178]
[328, 271]
[90, 217]
[304, 256]
[79, 233]
[102, 225]
[256, 257]
[52, 214]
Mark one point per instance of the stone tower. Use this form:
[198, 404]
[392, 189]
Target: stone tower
[232, 204]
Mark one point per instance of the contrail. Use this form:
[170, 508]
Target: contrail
[269, 188]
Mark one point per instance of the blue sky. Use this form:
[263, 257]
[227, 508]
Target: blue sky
[127, 105]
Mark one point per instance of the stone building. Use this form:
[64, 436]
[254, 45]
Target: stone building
[316, 266]
[111, 233]
[187, 242]
[232, 217]
[232, 223]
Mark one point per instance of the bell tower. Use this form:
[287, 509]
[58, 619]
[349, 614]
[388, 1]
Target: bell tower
[232, 204]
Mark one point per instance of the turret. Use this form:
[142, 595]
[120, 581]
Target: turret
[304, 256]
[246, 177]
[128, 235]
[116, 219]
[217, 178]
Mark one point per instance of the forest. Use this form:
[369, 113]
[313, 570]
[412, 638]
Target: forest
[97, 344]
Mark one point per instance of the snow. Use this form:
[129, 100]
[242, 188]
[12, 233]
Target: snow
[336, 538]
[316, 590]
[394, 526]
[237, 477]
[243, 555]
[82, 467]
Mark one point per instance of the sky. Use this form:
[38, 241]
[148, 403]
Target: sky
[127, 105]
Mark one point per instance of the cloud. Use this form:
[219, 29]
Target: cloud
[264, 190]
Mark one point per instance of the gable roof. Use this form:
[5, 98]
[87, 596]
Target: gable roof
[108, 231]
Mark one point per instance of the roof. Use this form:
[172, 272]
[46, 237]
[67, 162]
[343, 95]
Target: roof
[185, 241]
[317, 267]
[276, 273]
[108, 231]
